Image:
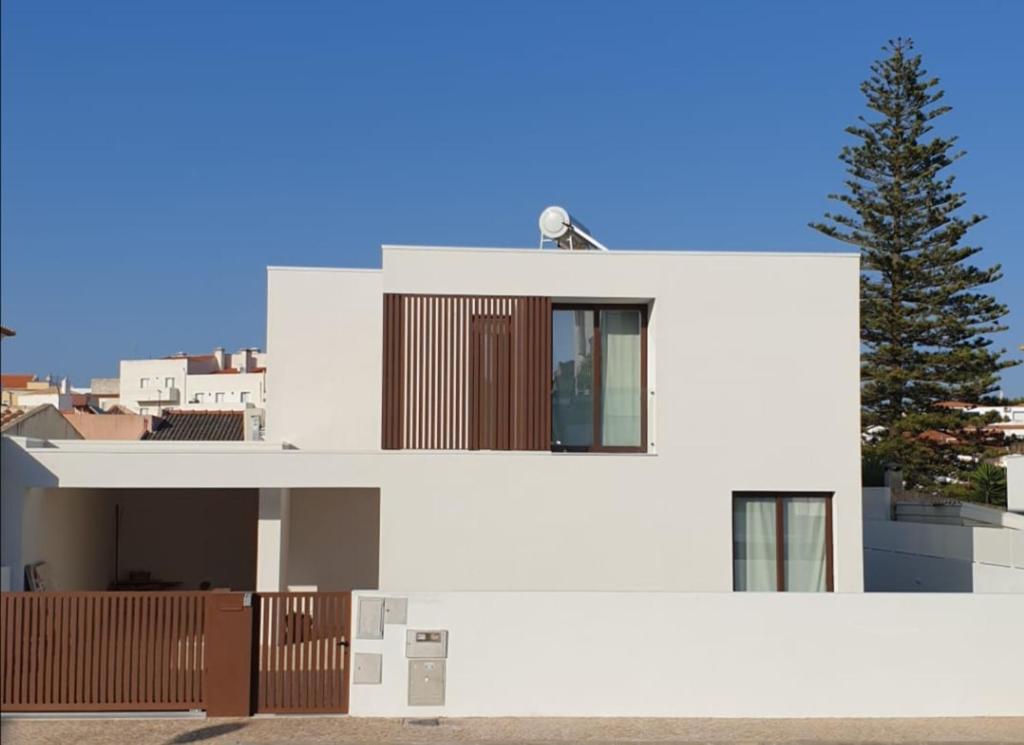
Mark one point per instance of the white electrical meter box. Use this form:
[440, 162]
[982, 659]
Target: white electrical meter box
[426, 682]
[366, 668]
[371, 618]
[419, 643]
[396, 610]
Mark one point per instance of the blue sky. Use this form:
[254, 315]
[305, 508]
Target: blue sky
[156, 157]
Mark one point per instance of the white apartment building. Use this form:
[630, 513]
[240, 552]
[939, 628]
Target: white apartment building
[219, 381]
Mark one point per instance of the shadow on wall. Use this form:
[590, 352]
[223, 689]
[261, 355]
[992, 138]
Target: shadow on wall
[892, 571]
[150, 539]
[334, 539]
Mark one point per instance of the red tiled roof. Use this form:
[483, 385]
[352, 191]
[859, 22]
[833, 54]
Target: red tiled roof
[954, 405]
[9, 414]
[226, 371]
[258, 369]
[16, 380]
[198, 425]
[934, 435]
[196, 357]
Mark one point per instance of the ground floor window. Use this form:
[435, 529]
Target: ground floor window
[782, 541]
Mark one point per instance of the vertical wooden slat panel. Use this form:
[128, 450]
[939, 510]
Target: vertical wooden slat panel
[400, 344]
[286, 666]
[78, 657]
[6, 648]
[20, 653]
[61, 695]
[434, 365]
[31, 621]
[173, 677]
[117, 643]
[421, 374]
[386, 403]
[544, 400]
[433, 355]
[188, 632]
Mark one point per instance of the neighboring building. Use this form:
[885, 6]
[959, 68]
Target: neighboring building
[110, 425]
[41, 422]
[1009, 413]
[219, 381]
[224, 426]
[1015, 483]
[25, 391]
[105, 393]
[914, 546]
[493, 419]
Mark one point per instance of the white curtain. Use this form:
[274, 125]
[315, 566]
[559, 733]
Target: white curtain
[754, 562]
[620, 378]
[805, 544]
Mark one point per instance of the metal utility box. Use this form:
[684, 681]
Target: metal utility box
[421, 643]
[396, 610]
[371, 618]
[426, 682]
[366, 668]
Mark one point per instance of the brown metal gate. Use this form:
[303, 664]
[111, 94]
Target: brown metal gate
[102, 651]
[302, 652]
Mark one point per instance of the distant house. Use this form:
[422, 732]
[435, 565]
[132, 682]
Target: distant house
[109, 425]
[25, 390]
[219, 381]
[43, 422]
[199, 426]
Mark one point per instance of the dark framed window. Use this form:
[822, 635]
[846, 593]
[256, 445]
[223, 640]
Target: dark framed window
[599, 378]
[782, 541]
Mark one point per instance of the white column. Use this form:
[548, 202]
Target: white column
[272, 541]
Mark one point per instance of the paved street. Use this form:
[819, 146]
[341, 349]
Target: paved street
[303, 730]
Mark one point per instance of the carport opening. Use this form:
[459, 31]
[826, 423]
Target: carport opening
[144, 539]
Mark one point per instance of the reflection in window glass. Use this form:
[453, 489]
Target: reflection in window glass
[620, 378]
[572, 390]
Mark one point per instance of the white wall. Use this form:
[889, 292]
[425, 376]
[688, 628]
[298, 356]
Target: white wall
[72, 530]
[232, 385]
[928, 557]
[131, 372]
[325, 327]
[159, 370]
[732, 337]
[717, 655]
[1015, 483]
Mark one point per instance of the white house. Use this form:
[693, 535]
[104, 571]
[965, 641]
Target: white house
[214, 382]
[555, 429]
[491, 419]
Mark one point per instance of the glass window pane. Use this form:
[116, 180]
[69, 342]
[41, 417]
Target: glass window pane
[753, 545]
[804, 529]
[620, 378]
[572, 375]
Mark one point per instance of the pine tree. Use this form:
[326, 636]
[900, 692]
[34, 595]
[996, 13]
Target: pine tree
[925, 318]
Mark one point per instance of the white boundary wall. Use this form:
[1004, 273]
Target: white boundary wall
[709, 655]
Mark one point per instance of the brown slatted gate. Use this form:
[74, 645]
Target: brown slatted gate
[303, 653]
[102, 651]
